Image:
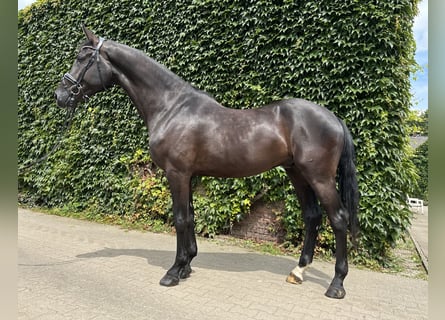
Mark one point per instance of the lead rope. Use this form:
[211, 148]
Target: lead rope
[66, 127]
[70, 112]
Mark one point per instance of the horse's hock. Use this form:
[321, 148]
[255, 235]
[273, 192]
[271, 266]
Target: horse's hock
[261, 223]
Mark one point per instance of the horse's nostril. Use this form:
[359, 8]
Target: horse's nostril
[55, 95]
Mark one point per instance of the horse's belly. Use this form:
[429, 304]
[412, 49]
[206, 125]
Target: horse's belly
[242, 162]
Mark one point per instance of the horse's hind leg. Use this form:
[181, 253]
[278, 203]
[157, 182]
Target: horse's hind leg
[327, 194]
[312, 220]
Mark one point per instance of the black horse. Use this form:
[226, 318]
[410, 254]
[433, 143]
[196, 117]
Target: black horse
[193, 135]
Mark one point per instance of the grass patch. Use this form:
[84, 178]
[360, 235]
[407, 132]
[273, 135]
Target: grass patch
[406, 260]
[129, 222]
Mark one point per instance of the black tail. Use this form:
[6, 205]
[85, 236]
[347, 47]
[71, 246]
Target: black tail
[347, 180]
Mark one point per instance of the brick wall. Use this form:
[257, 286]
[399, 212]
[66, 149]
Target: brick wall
[261, 224]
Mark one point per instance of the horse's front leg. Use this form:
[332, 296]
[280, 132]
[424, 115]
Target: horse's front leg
[185, 236]
[191, 245]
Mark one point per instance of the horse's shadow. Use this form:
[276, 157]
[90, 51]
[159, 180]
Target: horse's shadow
[222, 261]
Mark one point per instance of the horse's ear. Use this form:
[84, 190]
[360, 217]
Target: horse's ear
[89, 34]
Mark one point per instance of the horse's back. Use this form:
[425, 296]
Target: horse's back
[209, 139]
[305, 111]
[286, 132]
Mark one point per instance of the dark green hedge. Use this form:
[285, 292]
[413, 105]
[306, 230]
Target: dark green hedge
[354, 57]
[420, 160]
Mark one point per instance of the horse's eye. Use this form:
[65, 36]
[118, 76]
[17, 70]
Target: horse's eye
[81, 57]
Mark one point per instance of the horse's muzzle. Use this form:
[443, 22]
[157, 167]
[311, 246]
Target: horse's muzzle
[64, 98]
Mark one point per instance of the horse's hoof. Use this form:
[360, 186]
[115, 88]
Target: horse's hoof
[169, 281]
[292, 278]
[335, 293]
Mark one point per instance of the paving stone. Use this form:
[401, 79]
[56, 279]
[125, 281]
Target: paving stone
[71, 269]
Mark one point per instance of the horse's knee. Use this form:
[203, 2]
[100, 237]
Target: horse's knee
[182, 223]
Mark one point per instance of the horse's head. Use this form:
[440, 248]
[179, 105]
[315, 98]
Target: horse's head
[90, 73]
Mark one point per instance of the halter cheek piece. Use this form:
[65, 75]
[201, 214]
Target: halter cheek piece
[76, 85]
[75, 89]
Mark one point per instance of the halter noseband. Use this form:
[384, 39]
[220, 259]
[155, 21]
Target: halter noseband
[77, 87]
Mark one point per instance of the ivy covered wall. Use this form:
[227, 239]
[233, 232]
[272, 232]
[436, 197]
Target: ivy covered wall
[354, 57]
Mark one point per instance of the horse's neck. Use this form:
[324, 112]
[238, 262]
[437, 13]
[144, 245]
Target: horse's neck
[149, 85]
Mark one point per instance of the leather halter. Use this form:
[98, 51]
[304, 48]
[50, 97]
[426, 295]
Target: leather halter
[76, 84]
